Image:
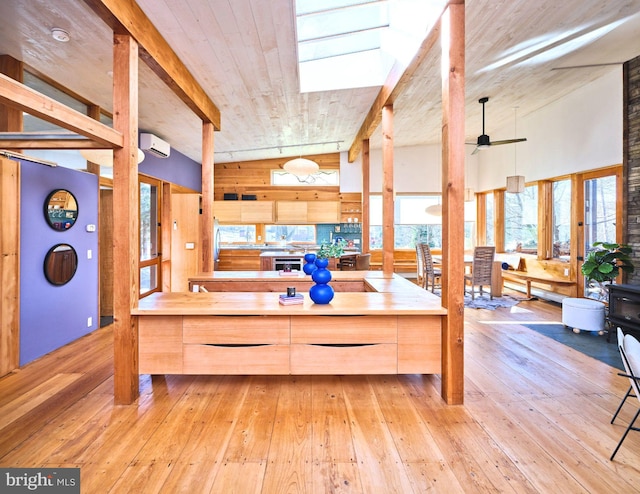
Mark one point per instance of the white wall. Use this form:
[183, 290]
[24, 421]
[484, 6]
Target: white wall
[581, 131]
[415, 169]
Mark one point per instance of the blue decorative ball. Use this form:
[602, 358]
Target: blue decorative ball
[322, 262]
[310, 257]
[309, 268]
[321, 294]
[321, 275]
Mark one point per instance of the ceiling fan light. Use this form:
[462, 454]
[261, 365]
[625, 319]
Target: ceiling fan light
[515, 184]
[301, 167]
[483, 141]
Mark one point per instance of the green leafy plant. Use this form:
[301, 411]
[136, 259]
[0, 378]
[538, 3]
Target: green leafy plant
[603, 264]
[331, 250]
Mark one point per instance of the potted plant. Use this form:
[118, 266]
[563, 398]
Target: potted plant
[602, 265]
[335, 249]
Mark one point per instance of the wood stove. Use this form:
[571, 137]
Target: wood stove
[624, 308]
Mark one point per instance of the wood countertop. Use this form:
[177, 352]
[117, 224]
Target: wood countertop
[390, 295]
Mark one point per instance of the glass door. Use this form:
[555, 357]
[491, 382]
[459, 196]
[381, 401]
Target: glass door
[600, 215]
[149, 236]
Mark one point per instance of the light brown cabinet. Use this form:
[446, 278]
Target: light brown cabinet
[301, 212]
[244, 211]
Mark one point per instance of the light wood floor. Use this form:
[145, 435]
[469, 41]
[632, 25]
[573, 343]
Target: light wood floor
[535, 419]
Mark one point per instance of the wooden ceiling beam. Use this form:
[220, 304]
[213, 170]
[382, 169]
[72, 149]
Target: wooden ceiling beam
[16, 95]
[126, 17]
[398, 78]
[37, 143]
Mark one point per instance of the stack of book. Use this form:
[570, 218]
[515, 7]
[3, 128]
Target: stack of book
[294, 299]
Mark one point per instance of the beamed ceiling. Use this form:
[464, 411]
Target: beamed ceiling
[523, 54]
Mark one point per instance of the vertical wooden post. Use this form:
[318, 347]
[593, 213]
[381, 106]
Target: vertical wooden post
[388, 238]
[10, 121]
[126, 229]
[9, 265]
[206, 223]
[366, 193]
[453, 156]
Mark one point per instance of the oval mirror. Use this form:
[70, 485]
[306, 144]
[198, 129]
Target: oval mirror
[60, 264]
[61, 209]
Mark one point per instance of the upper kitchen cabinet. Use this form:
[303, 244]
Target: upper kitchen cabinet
[244, 211]
[300, 212]
[323, 212]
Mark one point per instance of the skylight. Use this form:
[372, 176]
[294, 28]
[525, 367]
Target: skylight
[354, 43]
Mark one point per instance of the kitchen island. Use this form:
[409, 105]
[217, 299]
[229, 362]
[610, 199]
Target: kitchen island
[387, 326]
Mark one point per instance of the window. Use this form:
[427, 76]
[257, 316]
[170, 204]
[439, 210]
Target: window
[321, 178]
[149, 236]
[291, 234]
[412, 224]
[489, 219]
[599, 211]
[521, 221]
[561, 195]
[234, 234]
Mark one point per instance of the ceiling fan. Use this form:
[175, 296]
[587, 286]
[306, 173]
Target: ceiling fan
[483, 140]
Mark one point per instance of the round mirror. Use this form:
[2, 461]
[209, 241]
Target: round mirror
[60, 264]
[61, 209]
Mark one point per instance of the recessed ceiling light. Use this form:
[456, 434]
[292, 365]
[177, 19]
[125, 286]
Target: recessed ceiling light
[60, 35]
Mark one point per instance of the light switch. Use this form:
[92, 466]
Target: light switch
[89, 254]
[91, 228]
[190, 245]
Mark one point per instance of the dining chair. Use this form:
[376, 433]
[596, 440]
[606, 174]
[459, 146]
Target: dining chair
[363, 262]
[481, 269]
[630, 353]
[420, 278]
[431, 273]
[347, 262]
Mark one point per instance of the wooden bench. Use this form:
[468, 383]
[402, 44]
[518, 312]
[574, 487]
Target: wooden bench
[528, 278]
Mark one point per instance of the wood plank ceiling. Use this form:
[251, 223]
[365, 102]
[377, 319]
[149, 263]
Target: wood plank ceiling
[242, 52]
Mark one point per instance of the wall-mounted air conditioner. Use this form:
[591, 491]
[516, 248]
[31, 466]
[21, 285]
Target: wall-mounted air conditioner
[154, 145]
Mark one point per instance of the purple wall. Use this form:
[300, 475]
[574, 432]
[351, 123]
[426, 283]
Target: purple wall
[177, 169]
[52, 316]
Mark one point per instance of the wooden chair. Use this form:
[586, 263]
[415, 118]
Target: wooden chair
[363, 262]
[430, 273]
[420, 279]
[347, 262]
[480, 270]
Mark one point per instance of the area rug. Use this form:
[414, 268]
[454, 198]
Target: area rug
[587, 342]
[485, 302]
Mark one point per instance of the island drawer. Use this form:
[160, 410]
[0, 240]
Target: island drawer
[236, 329]
[339, 359]
[344, 329]
[236, 359]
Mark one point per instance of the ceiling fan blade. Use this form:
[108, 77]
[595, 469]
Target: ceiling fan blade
[475, 150]
[508, 141]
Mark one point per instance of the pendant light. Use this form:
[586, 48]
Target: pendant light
[301, 167]
[515, 183]
[434, 209]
